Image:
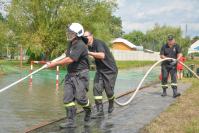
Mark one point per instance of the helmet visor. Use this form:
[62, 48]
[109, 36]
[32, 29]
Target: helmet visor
[70, 35]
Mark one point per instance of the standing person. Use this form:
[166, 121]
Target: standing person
[170, 50]
[76, 81]
[180, 67]
[106, 74]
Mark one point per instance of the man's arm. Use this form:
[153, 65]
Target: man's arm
[162, 57]
[66, 60]
[97, 55]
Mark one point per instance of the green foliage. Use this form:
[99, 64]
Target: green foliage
[196, 38]
[3, 37]
[1, 18]
[137, 37]
[40, 25]
[156, 37]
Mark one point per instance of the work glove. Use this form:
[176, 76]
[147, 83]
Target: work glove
[174, 62]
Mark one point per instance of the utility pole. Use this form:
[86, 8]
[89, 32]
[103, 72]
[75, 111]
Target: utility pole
[21, 56]
[186, 30]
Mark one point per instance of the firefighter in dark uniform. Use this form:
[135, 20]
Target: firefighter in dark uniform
[170, 50]
[106, 74]
[76, 81]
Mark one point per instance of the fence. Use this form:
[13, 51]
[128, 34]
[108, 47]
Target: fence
[43, 62]
[135, 55]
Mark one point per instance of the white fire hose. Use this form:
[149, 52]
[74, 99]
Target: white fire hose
[147, 73]
[43, 67]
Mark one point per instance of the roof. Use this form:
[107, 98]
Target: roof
[131, 45]
[194, 47]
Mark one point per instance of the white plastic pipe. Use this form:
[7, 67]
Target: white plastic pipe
[43, 67]
[147, 73]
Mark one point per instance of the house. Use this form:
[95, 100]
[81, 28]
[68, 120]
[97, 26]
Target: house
[194, 48]
[122, 50]
[123, 44]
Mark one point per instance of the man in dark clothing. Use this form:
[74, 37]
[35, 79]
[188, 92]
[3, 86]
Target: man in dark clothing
[106, 72]
[170, 50]
[76, 81]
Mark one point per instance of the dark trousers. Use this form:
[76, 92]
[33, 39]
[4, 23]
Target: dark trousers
[75, 89]
[166, 70]
[104, 81]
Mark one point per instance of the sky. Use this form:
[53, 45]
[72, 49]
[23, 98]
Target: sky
[3, 3]
[143, 14]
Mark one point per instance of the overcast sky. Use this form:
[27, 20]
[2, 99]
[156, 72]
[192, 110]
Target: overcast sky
[143, 14]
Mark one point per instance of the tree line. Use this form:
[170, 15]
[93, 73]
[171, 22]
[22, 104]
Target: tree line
[154, 38]
[40, 26]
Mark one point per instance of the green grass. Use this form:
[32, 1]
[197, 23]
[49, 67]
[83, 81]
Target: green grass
[195, 61]
[192, 127]
[12, 66]
[15, 63]
[133, 64]
[180, 117]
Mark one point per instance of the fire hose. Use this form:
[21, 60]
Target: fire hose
[43, 67]
[147, 73]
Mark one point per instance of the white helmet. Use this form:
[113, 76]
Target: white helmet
[77, 28]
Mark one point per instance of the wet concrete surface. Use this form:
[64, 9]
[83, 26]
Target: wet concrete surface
[23, 107]
[147, 105]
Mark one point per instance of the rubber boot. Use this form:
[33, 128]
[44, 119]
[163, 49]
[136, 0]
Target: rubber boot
[164, 93]
[111, 106]
[100, 111]
[87, 117]
[71, 112]
[175, 93]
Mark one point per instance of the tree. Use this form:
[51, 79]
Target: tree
[136, 37]
[41, 25]
[3, 35]
[156, 37]
[116, 27]
[194, 39]
[1, 17]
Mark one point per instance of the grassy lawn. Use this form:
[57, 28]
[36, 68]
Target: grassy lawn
[189, 61]
[133, 64]
[180, 117]
[12, 66]
[7, 66]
